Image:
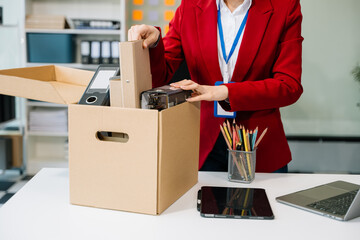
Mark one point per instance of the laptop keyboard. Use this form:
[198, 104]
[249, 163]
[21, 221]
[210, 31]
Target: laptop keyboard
[336, 205]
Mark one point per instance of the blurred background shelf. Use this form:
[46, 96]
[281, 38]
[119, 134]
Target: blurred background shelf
[91, 67]
[76, 31]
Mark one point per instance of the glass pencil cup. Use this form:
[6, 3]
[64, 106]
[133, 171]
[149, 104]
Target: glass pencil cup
[241, 166]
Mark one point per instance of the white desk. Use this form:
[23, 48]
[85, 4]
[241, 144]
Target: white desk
[41, 210]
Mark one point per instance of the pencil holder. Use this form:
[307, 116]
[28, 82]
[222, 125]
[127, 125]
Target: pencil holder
[241, 166]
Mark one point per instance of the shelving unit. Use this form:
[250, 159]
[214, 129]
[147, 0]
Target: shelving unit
[45, 148]
[11, 48]
[76, 31]
[78, 9]
[48, 148]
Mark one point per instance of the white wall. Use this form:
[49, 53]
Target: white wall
[11, 34]
[331, 49]
[325, 157]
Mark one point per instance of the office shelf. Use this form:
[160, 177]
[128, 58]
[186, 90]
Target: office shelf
[91, 67]
[48, 148]
[10, 132]
[47, 134]
[9, 26]
[76, 31]
[45, 104]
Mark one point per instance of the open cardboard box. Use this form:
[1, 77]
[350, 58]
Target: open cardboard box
[146, 164]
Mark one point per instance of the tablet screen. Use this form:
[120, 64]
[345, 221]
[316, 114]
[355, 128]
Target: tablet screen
[229, 202]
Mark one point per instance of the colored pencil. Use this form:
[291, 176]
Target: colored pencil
[260, 138]
[229, 128]
[227, 134]
[254, 137]
[229, 146]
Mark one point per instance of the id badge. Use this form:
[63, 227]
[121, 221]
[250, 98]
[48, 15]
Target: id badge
[219, 111]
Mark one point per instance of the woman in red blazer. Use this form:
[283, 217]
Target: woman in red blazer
[267, 73]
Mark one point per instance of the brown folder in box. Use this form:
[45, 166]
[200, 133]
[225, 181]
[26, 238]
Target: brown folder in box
[135, 75]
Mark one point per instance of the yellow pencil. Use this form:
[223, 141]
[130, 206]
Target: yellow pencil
[244, 139]
[227, 134]
[229, 146]
[223, 131]
[248, 156]
[229, 128]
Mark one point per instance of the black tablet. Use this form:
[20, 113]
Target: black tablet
[227, 202]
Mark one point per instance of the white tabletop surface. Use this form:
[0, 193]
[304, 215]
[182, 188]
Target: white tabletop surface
[41, 210]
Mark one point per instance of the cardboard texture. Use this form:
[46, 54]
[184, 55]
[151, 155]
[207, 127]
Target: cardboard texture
[46, 21]
[116, 93]
[149, 161]
[45, 83]
[146, 174]
[135, 74]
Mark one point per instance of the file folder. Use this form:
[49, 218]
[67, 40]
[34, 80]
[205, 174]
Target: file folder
[115, 52]
[85, 52]
[95, 52]
[105, 52]
[134, 60]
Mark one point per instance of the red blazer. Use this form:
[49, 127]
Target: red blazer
[267, 71]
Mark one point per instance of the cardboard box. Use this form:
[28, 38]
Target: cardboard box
[50, 83]
[150, 161]
[46, 22]
[147, 173]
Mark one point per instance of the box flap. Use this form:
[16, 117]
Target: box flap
[179, 134]
[45, 83]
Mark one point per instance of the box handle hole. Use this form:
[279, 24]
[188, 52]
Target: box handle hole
[112, 136]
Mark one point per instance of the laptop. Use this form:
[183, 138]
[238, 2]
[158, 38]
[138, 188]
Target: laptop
[339, 200]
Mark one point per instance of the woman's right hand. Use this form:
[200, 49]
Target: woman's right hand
[150, 34]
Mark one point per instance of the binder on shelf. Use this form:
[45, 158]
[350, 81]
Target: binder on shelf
[5, 153]
[95, 52]
[96, 24]
[115, 52]
[7, 108]
[1, 15]
[105, 52]
[85, 52]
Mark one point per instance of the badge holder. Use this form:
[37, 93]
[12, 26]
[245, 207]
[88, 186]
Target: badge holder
[219, 111]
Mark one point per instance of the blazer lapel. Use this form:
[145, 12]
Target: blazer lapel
[259, 16]
[206, 19]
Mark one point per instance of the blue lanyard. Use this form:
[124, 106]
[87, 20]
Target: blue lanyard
[236, 40]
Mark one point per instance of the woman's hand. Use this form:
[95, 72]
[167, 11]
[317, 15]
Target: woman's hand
[203, 92]
[150, 34]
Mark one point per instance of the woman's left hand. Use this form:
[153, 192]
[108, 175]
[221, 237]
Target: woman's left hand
[203, 92]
